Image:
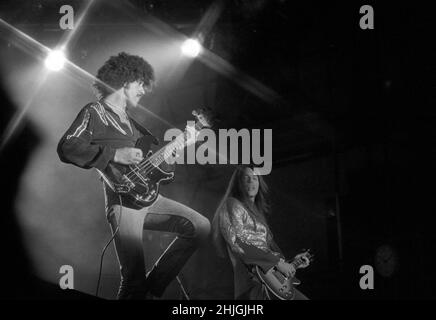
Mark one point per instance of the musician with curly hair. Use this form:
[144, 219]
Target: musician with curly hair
[102, 136]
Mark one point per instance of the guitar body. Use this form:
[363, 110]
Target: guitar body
[280, 286]
[138, 191]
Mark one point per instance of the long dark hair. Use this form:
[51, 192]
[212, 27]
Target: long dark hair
[257, 210]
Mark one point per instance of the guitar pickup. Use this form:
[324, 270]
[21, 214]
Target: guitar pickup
[121, 188]
[128, 183]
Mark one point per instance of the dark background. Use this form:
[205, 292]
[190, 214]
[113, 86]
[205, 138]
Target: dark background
[353, 129]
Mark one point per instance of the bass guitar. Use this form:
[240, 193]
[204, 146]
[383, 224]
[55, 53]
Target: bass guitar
[138, 184]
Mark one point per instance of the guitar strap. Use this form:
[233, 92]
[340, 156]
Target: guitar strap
[144, 130]
[266, 291]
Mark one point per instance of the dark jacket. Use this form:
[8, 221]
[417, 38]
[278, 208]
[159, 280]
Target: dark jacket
[94, 136]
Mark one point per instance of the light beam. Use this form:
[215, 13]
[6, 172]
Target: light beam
[191, 48]
[55, 60]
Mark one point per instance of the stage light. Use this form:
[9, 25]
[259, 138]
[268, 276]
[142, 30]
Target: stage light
[191, 48]
[55, 60]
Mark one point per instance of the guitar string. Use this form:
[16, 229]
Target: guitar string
[135, 175]
[296, 263]
[148, 163]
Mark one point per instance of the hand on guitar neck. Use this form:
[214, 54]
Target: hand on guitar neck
[303, 259]
[300, 261]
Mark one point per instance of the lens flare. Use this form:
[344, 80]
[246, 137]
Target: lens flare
[55, 60]
[191, 48]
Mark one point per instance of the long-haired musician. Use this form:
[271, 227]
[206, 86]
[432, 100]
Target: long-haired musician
[240, 229]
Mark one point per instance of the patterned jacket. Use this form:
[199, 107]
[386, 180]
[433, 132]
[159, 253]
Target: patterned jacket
[249, 243]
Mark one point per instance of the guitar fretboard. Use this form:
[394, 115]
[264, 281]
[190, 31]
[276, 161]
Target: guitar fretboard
[179, 143]
[298, 262]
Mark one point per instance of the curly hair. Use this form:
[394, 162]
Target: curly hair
[121, 69]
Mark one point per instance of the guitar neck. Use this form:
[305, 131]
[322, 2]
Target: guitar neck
[298, 262]
[166, 152]
[179, 143]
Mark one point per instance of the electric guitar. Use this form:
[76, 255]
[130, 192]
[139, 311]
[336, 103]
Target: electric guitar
[278, 284]
[138, 185]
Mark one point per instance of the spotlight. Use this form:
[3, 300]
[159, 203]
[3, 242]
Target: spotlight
[55, 60]
[191, 48]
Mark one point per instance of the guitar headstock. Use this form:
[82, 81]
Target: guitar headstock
[204, 117]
